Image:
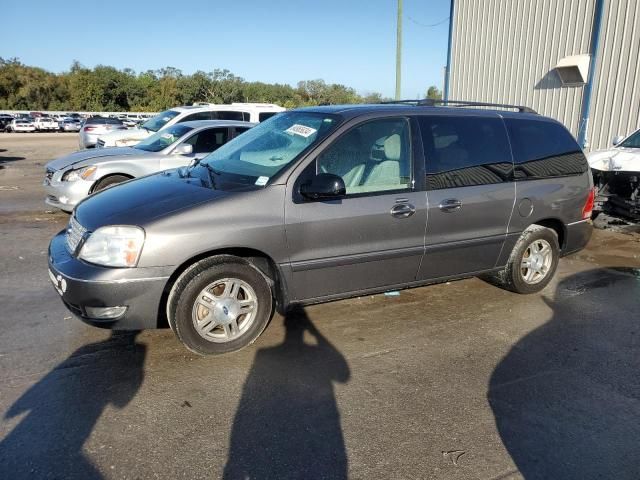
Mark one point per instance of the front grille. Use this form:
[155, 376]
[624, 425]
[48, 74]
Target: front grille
[75, 232]
[100, 143]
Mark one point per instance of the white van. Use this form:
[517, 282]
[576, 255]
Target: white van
[247, 112]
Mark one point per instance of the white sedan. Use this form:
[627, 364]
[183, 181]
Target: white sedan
[616, 176]
[21, 125]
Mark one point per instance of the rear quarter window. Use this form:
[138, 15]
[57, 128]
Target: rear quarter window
[228, 115]
[262, 116]
[543, 149]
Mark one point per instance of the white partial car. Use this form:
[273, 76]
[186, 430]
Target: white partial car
[616, 176]
[45, 124]
[246, 112]
[21, 125]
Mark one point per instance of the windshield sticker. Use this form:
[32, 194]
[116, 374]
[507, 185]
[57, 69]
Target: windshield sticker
[168, 136]
[262, 181]
[301, 130]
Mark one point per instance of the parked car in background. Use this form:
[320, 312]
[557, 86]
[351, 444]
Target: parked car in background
[71, 178]
[248, 112]
[21, 125]
[70, 125]
[45, 124]
[616, 174]
[93, 127]
[324, 203]
[5, 120]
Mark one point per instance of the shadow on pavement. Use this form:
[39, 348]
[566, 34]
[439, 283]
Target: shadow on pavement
[7, 159]
[566, 398]
[63, 408]
[287, 424]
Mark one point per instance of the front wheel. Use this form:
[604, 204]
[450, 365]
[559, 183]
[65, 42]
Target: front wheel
[532, 263]
[219, 305]
[110, 182]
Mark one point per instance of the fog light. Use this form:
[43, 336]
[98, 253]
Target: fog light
[105, 313]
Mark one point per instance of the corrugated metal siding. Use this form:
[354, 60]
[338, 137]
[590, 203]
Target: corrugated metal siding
[615, 108]
[506, 51]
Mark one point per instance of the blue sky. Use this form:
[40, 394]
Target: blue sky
[348, 41]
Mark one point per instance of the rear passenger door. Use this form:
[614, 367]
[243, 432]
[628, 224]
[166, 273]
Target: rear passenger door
[470, 193]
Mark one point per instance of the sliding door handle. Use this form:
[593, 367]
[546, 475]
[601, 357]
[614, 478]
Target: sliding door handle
[450, 205]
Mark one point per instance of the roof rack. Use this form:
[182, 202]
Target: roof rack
[431, 102]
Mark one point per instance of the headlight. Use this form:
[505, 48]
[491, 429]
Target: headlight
[85, 173]
[113, 246]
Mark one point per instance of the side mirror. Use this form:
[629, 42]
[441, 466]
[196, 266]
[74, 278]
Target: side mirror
[183, 149]
[616, 140]
[324, 186]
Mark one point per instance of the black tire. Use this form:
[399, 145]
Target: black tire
[109, 182]
[512, 278]
[194, 280]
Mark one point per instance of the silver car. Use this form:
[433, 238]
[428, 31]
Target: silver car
[73, 177]
[94, 127]
[69, 125]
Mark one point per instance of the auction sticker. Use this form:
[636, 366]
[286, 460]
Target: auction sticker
[301, 130]
[262, 181]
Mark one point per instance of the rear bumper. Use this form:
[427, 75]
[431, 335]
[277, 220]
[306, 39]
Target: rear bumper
[578, 235]
[81, 285]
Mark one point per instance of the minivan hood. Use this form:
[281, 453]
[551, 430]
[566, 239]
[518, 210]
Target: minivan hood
[82, 155]
[139, 201]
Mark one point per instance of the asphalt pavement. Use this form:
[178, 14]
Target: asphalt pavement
[457, 381]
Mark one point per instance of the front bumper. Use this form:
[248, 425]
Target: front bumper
[82, 285]
[65, 195]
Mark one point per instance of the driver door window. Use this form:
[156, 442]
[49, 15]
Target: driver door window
[372, 157]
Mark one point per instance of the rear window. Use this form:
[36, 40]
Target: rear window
[465, 151]
[103, 121]
[543, 149]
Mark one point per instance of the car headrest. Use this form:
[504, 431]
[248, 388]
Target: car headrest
[392, 147]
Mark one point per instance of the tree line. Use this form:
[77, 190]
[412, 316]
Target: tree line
[105, 88]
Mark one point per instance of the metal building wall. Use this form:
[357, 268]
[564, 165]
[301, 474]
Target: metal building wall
[615, 105]
[506, 51]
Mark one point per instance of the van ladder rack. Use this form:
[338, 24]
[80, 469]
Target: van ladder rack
[431, 102]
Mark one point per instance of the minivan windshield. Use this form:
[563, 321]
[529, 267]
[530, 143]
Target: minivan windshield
[271, 146]
[632, 142]
[156, 123]
[161, 140]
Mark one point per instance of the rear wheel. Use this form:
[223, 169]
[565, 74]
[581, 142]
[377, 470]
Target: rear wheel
[220, 305]
[110, 182]
[532, 263]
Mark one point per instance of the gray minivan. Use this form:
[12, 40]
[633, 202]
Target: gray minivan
[324, 203]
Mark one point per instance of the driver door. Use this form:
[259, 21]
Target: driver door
[374, 236]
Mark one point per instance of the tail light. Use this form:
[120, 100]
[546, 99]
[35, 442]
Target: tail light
[588, 205]
[89, 128]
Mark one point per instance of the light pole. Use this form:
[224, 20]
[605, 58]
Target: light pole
[399, 51]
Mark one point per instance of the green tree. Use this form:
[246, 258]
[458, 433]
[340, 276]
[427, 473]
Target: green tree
[434, 93]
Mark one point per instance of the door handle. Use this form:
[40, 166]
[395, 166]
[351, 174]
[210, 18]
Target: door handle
[402, 210]
[450, 205]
